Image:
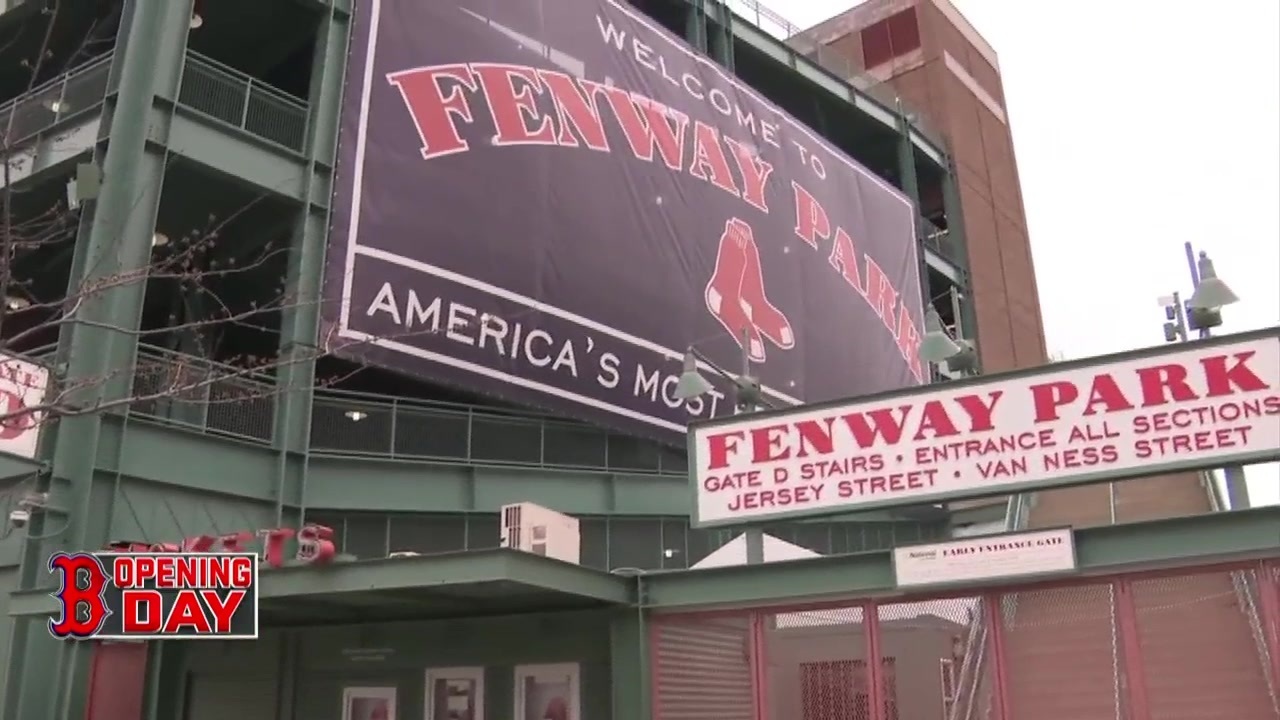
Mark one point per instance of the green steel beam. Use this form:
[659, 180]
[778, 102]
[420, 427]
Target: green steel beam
[484, 566]
[1184, 542]
[935, 260]
[629, 665]
[299, 326]
[1176, 542]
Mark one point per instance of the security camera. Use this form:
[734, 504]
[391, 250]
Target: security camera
[18, 518]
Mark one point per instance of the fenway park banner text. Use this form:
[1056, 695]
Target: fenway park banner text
[1195, 406]
[549, 201]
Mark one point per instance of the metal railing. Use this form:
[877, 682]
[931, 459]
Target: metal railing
[773, 23]
[203, 395]
[360, 424]
[223, 400]
[934, 237]
[244, 102]
[1246, 591]
[75, 91]
[969, 680]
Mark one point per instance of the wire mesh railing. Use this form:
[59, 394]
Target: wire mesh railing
[941, 242]
[358, 424]
[972, 678]
[79, 90]
[1247, 587]
[1181, 636]
[244, 102]
[224, 400]
[203, 395]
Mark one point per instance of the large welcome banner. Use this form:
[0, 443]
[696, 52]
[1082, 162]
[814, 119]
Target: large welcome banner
[548, 201]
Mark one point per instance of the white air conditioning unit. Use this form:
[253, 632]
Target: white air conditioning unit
[541, 531]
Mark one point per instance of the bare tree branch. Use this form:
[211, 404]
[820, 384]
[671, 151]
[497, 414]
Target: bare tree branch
[219, 287]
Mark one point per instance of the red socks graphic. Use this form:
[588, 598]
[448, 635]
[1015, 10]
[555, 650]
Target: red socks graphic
[735, 294]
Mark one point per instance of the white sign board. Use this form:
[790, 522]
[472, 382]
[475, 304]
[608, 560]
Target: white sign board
[1181, 407]
[22, 386]
[995, 557]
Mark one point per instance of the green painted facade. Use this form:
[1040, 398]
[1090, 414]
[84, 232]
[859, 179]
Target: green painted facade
[157, 117]
[148, 110]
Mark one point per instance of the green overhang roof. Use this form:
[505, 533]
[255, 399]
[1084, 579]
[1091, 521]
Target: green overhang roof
[493, 582]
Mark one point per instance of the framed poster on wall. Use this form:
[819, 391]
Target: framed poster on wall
[547, 692]
[455, 693]
[369, 703]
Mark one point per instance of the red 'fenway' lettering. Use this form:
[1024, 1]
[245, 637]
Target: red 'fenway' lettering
[881, 426]
[437, 98]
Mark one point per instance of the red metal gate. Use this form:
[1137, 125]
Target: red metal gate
[1199, 644]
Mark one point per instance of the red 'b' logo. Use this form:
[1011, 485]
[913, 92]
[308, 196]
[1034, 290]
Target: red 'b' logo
[81, 595]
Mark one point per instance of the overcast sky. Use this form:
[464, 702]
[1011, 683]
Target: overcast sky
[1138, 125]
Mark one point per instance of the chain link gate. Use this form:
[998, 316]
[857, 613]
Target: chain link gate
[1195, 644]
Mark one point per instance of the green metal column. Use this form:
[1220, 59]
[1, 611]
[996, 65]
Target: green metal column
[46, 678]
[955, 218]
[907, 160]
[956, 236]
[720, 37]
[300, 325]
[695, 25]
[629, 664]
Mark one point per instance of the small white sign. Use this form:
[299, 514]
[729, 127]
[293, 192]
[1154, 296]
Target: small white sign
[22, 387]
[994, 557]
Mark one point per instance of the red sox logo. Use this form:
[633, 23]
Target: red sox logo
[735, 294]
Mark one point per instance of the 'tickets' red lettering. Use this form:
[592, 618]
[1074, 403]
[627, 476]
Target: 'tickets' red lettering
[81, 594]
[273, 542]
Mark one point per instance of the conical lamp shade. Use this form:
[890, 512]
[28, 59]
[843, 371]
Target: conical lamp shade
[936, 345]
[691, 383]
[1212, 293]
